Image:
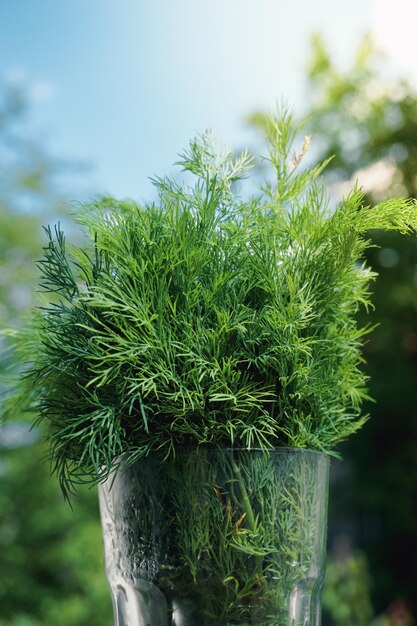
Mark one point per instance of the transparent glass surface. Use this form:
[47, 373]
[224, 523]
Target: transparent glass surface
[217, 538]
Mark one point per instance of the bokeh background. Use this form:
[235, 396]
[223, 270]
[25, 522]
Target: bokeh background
[96, 96]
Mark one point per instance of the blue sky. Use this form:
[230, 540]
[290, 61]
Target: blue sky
[125, 84]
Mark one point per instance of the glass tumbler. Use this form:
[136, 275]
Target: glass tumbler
[217, 537]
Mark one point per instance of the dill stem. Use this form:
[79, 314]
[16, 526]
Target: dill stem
[247, 508]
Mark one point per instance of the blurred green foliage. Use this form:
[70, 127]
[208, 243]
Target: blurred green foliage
[51, 563]
[346, 595]
[366, 119]
[51, 569]
[19, 240]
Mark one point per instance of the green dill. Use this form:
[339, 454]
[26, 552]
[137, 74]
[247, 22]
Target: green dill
[205, 318]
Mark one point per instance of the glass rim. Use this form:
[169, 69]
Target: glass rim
[210, 448]
[277, 450]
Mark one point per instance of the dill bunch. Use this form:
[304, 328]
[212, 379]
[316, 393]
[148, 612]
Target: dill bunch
[204, 318]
